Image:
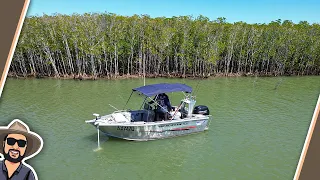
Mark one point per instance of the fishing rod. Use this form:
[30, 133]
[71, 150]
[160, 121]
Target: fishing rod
[176, 111]
[114, 107]
[278, 84]
[197, 87]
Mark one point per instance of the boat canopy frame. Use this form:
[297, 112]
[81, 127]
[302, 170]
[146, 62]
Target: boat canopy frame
[156, 89]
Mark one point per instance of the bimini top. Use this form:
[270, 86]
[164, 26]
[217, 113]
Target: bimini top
[154, 89]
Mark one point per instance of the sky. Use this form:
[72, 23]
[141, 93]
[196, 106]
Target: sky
[250, 11]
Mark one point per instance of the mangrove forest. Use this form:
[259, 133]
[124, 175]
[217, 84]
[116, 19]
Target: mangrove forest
[107, 45]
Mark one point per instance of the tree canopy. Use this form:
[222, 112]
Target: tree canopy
[110, 45]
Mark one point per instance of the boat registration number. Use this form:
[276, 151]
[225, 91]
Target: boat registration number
[125, 128]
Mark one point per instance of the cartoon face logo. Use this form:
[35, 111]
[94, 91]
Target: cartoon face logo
[14, 147]
[18, 144]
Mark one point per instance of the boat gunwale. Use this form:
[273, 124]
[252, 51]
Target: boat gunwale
[141, 123]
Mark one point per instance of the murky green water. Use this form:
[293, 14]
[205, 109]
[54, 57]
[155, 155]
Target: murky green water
[258, 130]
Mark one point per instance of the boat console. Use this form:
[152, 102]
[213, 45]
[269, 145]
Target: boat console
[142, 115]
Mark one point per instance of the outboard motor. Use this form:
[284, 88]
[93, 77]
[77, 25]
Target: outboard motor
[201, 109]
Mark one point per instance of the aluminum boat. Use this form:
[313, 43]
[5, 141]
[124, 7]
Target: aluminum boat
[141, 124]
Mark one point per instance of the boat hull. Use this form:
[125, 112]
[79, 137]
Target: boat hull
[143, 131]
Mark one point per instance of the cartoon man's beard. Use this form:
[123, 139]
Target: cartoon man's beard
[9, 158]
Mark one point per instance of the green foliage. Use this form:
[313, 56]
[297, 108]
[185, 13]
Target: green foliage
[116, 42]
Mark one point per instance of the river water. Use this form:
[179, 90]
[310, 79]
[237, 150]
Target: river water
[258, 129]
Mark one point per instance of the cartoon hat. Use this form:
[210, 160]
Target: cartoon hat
[34, 141]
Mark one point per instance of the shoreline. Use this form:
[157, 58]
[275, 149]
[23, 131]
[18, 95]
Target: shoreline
[188, 76]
